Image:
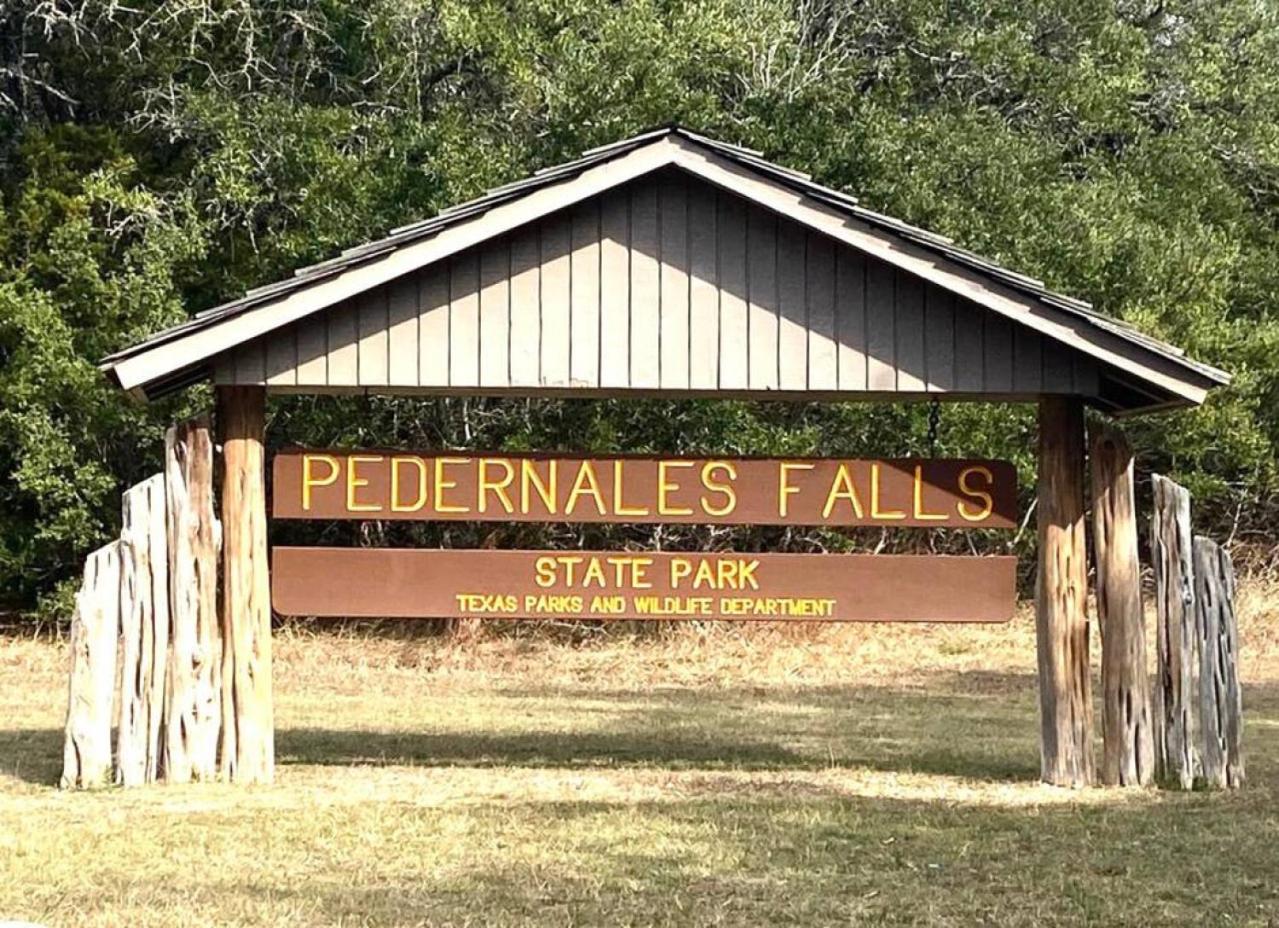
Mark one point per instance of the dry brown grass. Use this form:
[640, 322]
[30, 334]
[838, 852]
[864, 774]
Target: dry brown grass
[724, 775]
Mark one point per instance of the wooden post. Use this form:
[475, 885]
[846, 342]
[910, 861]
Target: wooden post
[144, 626]
[1220, 699]
[95, 630]
[1061, 619]
[1170, 551]
[248, 737]
[1128, 747]
[193, 711]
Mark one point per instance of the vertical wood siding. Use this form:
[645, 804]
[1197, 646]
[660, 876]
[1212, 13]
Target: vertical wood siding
[666, 284]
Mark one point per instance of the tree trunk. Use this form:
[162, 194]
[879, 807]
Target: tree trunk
[248, 737]
[144, 625]
[1170, 551]
[1128, 747]
[193, 708]
[1220, 699]
[1061, 619]
[95, 632]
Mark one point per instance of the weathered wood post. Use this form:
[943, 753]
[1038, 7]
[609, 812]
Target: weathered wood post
[248, 736]
[193, 711]
[1220, 697]
[1061, 619]
[1128, 747]
[95, 633]
[144, 627]
[1170, 551]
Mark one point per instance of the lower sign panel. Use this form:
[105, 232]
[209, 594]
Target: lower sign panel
[430, 583]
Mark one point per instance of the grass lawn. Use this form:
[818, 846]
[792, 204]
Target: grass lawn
[726, 776]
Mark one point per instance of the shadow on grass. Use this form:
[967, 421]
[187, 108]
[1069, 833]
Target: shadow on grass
[986, 731]
[987, 735]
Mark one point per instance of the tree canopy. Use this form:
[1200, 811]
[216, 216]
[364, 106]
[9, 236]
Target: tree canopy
[158, 158]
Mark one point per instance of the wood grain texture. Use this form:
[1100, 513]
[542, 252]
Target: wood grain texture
[1061, 618]
[1220, 695]
[95, 633]
[1177, 668]
[247, 731]
[144, 626]
[193, 705]
[1127, 736]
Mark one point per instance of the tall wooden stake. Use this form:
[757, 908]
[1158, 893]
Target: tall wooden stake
[144, 628]
[1061, 619]
[192, 711]
[248, 736]
[1170, 553]
[95, 635]
[1128, 747]
[1220, 696]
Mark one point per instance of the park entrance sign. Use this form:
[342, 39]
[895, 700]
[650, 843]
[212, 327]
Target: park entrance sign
[675, 266]
[712, 491]
[639, 585]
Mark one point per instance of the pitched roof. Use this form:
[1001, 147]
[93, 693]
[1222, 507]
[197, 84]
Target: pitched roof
[1159, 374]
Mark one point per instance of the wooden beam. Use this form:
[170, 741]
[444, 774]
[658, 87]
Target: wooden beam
[1061, 619]
[248, 737]
[1128, 746]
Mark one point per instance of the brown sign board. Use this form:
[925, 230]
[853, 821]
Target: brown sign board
[434, 583]
[940, 493]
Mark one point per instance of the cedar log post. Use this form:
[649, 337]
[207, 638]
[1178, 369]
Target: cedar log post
[1176, 757]
[95, 636]
[1128, 744]
[1061, 589]
[192, 710]
[248, 727]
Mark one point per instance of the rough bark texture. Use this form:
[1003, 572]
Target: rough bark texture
[193, 705]
[1177, 667]
[1065, 702]
[1220, 699]
[248, 737]
[1128, 747]
[95, 632]
[144, 624]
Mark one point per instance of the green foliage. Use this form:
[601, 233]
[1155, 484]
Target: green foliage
[157, 159]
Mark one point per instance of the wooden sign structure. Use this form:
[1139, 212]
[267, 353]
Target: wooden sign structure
[673, 266]
[642, 585]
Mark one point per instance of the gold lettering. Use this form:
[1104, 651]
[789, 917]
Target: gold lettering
[784, 489]
[730, 495]
[586, 484]
[544, 571]
[619, 505]
[547, 490]
[396, 505]
[496, 487]
[309, 480]
[354, 481]
[842, 488]
[875, 511]
[441, 485]
[989, 502]
[920, 514]
[665, 485]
